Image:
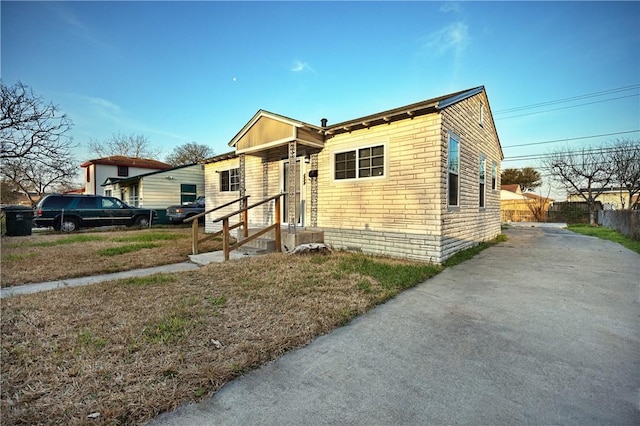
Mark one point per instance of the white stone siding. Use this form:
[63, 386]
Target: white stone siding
[215, 197]
[395, 244]
[405, 202]
[468, 224]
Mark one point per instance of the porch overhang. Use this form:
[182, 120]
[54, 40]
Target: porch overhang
[267, 130]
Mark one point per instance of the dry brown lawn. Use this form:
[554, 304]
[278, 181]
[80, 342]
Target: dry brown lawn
[124, 351]
[53, 256]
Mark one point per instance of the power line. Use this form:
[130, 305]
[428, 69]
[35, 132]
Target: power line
[572, 139]
[573, 98]
[567, 107]
[603, 150]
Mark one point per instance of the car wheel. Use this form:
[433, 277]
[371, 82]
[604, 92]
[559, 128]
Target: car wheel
[68, 225]
[142, 221]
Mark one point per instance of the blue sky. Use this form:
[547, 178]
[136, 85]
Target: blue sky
[178, 72]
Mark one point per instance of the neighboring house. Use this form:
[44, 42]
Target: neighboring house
[159, 189]
[97, 171]
[418, 182]
[611, 198]
[516, 206]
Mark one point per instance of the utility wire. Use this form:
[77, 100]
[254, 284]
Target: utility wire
[573, 98]
[567, 107]
[604, 150]
[571, 139]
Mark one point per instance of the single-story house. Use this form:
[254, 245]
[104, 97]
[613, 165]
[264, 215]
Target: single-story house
[418, 182]
[117, 166]
[159, 189]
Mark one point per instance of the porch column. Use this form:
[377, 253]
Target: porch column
[314, 192]
[267, 211]
[243, 186]
[291, 186]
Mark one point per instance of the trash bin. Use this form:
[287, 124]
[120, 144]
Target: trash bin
[19, 220]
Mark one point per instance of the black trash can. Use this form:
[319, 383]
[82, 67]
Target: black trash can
[19, 220]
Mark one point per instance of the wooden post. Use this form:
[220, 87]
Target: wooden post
[194, 236]
[245, 221]
[225, 238]
[277, 228]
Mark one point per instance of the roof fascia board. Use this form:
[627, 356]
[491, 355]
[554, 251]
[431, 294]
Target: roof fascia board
[459, 97]
[266, 146]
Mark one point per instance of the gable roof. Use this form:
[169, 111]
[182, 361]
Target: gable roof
[266, 114]
[511, 188]
[121, 160]
[411, 110]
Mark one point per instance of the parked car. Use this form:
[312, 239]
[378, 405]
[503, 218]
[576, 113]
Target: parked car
[178, 213]
[67, 212]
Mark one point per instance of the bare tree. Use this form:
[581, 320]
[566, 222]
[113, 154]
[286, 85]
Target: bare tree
[585, 172]
[8, 191]
[36, 150]
[135, 146]
[624, 157]
[189, 153]
[31, 176]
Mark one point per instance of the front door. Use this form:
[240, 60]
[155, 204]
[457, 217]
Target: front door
[299, 194]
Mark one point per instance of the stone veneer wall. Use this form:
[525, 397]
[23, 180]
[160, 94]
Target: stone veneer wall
[468, 224]
[398, 214]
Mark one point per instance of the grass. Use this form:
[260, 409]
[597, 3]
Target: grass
[606, 234]
[129, 248]
[467, 254]
[133, 348]
[57, 256]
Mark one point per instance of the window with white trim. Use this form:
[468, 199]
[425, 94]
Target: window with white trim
[230, 180]
[453, 175]
[359, 163]
[482, 170]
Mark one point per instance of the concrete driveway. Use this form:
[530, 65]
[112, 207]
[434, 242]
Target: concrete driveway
[543, 329]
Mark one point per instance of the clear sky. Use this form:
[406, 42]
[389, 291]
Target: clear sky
[179, 72]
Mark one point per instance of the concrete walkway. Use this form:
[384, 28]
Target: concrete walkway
[195, 261]
[543, 329]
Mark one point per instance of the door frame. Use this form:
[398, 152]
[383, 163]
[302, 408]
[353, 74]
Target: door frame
[301, 166]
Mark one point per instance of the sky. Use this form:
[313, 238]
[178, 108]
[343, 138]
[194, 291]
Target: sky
[180, 72]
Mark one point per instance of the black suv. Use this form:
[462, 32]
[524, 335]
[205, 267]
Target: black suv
[71, 212]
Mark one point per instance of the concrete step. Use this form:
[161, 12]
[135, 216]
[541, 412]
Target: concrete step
[265, 245]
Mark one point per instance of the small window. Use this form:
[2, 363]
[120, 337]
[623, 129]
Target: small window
[494, 176]
[230, 180]
[88, 174]
[481, 121]
[453, 166]
[482, 178]
[360, 163]
[187, 193]
[123, 171]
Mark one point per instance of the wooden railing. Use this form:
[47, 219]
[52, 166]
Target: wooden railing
[194, 224]
[226, 237]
